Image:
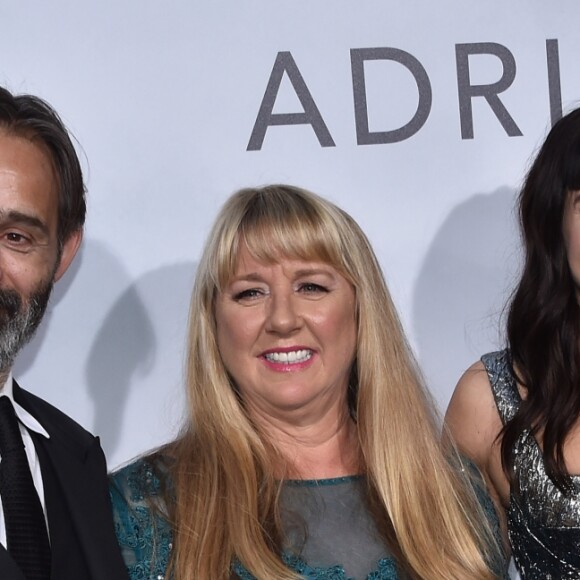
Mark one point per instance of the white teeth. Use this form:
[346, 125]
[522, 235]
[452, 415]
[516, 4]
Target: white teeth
[294, 356]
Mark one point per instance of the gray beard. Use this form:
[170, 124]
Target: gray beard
[19, 322]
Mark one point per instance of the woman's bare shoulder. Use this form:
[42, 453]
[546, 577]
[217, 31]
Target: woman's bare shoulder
[473, 422]
[472, 418]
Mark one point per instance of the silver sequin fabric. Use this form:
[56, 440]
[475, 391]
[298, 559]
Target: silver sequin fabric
[543, 523]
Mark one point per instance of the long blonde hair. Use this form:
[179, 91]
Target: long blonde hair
[225, 502]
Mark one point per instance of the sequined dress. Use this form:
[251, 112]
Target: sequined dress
[543, 524]
[329, 531]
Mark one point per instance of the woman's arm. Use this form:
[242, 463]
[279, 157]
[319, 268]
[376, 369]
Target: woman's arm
[472, 421]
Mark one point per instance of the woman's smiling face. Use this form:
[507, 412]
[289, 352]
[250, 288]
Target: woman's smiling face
[287, 334]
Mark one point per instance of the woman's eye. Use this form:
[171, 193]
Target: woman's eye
[312, 288]
[249, 294]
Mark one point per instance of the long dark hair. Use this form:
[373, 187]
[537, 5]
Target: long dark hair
[543, 322]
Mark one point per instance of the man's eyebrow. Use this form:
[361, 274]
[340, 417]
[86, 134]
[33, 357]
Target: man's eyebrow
[17, 217]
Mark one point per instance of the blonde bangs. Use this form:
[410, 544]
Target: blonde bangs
[274, 225]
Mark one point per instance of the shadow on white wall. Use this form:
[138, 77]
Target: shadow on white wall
[134, 368]
[462, 288]
[110, 350]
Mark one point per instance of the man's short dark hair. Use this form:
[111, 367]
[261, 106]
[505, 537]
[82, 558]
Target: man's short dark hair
[32, 118]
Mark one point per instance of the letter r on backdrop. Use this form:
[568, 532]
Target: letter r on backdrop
[467, 91]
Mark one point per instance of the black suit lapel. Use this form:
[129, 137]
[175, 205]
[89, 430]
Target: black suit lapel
[76, 466]
[87, 500]
[68, 556]
[9, 570]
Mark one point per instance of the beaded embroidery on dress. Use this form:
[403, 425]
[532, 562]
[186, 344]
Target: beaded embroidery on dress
[331, 535]
[543, 523]
[145, 536]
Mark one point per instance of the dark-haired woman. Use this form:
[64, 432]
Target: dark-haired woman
[517, 412]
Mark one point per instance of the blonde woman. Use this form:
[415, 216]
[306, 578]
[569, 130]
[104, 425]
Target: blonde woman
[312, 449]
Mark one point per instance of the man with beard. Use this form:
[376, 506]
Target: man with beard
[55, 519]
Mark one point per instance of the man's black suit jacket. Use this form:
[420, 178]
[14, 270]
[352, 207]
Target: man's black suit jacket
[82, 537]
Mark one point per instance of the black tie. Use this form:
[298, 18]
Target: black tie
[26, 533]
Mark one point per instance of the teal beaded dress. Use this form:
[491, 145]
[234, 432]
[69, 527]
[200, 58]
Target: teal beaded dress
[329, 532]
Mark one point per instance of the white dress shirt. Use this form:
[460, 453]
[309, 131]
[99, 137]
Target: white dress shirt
[27, 423]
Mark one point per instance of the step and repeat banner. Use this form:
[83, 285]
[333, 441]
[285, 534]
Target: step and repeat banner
[418, 118]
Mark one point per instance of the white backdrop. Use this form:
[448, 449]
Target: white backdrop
[164, 97]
